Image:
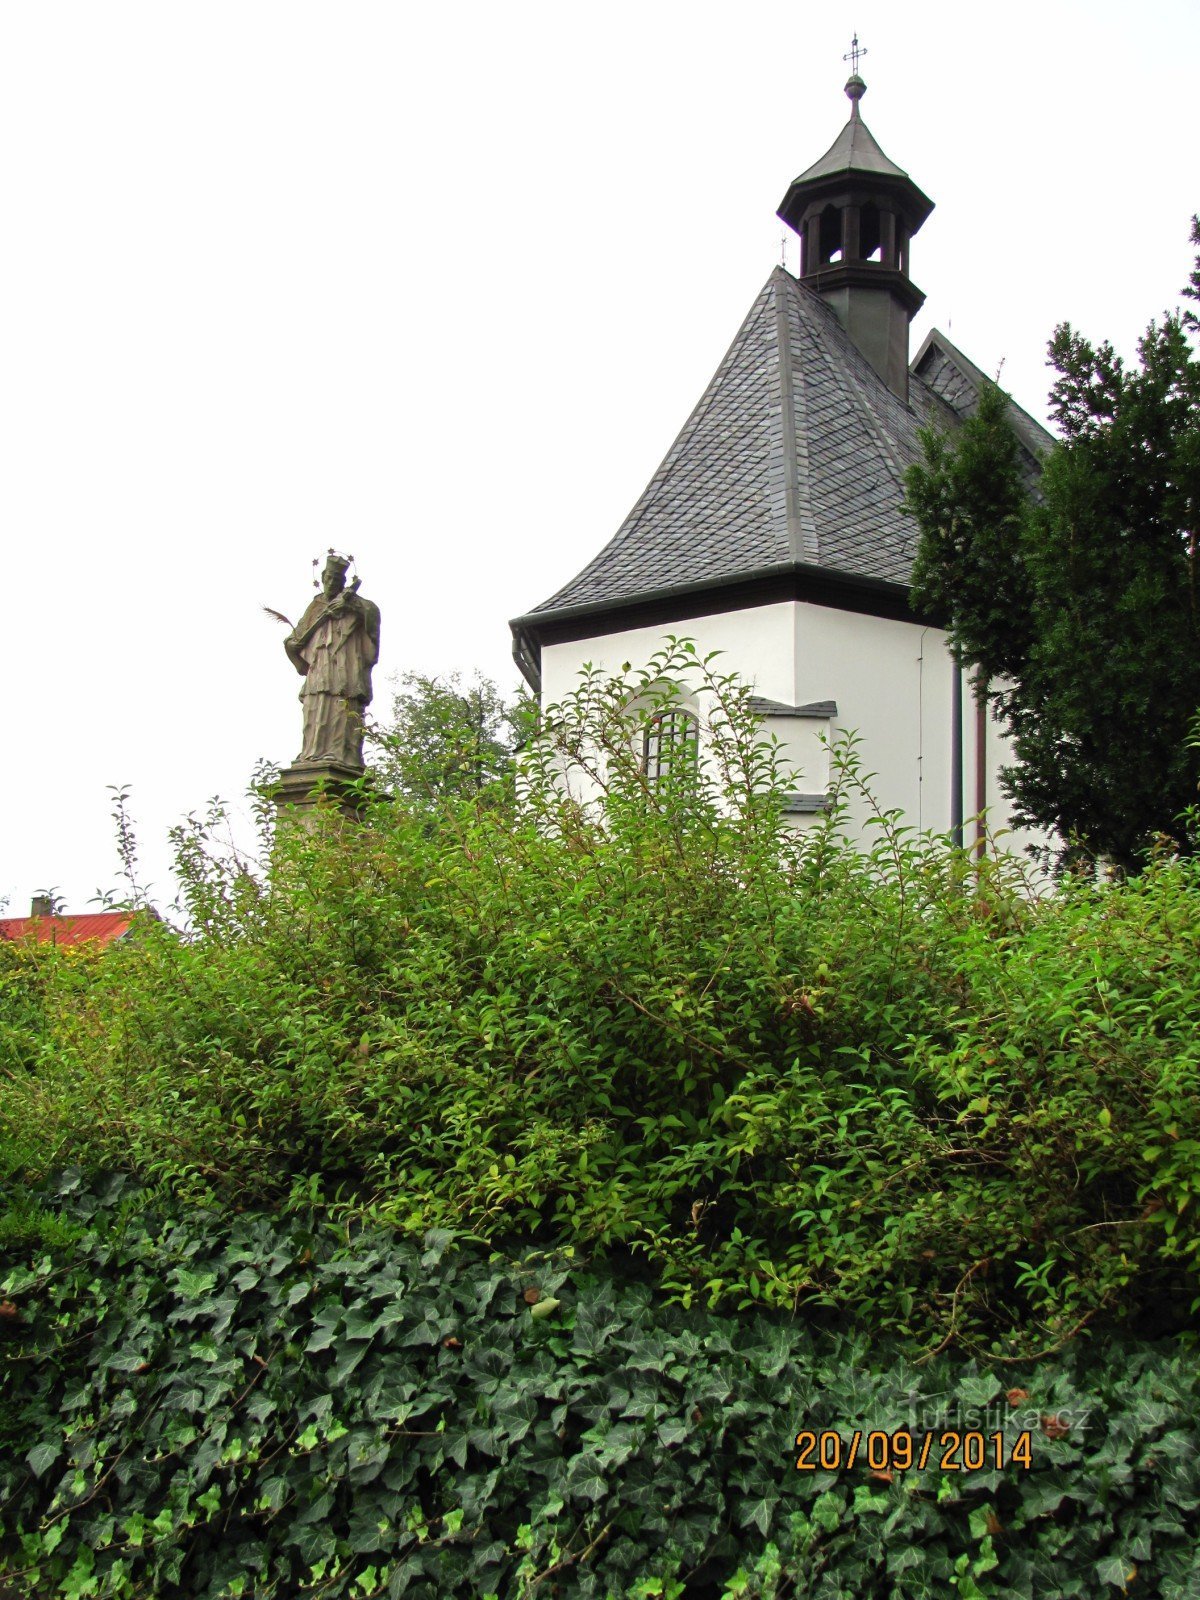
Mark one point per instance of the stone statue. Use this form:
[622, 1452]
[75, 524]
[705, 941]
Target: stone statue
[334, 646]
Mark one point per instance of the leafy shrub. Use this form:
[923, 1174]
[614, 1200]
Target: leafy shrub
[199, 1404]
[650, 1020]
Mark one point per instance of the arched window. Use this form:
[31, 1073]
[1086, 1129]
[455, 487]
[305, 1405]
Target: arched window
[669, 744]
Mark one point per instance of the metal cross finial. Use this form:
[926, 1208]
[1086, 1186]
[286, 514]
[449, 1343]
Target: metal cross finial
[852, 55]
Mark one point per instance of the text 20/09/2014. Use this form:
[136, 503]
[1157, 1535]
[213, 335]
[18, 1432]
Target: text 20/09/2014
[951, 1451]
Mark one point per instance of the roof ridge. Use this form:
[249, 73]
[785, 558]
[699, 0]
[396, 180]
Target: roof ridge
[803, 540]
[1038, 436]
[862, 376]
[787, 413]
[645, 501]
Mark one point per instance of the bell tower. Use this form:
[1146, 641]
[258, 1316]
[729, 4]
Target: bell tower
[855, 212]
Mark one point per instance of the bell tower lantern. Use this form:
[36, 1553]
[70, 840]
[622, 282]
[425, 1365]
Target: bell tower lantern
[855, 212]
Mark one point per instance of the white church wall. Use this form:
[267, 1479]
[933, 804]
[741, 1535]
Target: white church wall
[892, 683]
[999, 754]
[894, 686]
[757, 643]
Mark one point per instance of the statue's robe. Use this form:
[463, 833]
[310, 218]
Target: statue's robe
[336, 660]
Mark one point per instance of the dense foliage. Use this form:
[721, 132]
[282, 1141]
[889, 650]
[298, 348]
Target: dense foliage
[1081, 607]
[203, 1405]
[445, 739]
[649, 1021]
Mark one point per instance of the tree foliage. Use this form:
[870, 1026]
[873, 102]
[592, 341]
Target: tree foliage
[445, 739]
[649, 1022]
[1081, 605]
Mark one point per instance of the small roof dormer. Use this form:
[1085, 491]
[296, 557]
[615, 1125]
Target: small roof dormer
[855, 212]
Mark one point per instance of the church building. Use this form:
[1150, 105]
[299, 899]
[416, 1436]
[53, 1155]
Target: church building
[773, 530]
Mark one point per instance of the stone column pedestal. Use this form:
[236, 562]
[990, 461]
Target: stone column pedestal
[309, 786]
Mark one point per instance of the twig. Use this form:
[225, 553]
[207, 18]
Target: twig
[962, 1283]
[1050, 1350]
[570, 1561]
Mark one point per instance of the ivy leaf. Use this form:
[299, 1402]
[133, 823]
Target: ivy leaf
[194, 1285]
[1117, 1570]
[827, 1511]
[585, 1478]
[42, 1457]
[437, 1241]
[314, 1540]
[349, 1357]
[758, 1511]
[975, 1391]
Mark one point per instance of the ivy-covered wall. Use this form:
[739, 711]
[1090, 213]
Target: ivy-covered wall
[203, 1405]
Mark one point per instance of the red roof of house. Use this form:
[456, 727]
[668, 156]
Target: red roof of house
[97, 927]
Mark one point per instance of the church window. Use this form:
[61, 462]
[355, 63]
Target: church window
[669, 744]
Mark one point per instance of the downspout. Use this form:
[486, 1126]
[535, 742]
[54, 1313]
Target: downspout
[528, 658]
[956, 758]
[980, 766]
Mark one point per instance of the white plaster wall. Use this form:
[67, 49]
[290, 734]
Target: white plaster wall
[892, 682]
[999, 754]
[758, 643]
[893, 685]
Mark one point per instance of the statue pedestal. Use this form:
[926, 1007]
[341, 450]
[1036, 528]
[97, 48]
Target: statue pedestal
[311, 786]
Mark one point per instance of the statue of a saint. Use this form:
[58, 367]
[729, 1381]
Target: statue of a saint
[334, 646]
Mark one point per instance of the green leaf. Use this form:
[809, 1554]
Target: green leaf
[42, 1457]
[1117, 1571]
[314, 1541]
[585, 1479]
[758, 1511]
[194, 1285]
[974, 1392]
[827, 1511]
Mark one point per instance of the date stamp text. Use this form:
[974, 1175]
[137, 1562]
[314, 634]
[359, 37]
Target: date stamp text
[953, 1450]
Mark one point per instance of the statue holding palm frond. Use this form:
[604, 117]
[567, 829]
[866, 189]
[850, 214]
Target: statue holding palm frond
[334, 646]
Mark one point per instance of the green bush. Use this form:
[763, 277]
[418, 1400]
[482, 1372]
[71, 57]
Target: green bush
[196, 1404]
[650, 1020]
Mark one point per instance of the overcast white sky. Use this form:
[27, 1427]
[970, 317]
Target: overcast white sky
[438, 285]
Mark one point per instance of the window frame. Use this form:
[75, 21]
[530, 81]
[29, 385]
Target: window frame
[666, 758]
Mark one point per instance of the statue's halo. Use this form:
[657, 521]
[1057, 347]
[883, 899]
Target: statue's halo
[333, 558]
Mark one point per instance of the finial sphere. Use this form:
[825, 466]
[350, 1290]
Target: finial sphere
[855, 87]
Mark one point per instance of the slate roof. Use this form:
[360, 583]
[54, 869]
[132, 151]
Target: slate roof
[956, 379]
[794, 455]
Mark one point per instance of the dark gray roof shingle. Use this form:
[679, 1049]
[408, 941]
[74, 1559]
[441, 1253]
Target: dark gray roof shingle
[795, 453]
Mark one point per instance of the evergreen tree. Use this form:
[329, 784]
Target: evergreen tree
[1078, 605]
